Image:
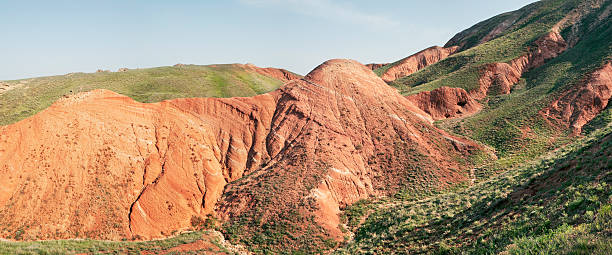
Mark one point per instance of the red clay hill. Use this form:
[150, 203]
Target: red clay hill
[415, 62]
[101, 165]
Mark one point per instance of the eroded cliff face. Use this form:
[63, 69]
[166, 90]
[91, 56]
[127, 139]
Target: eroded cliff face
[581, 103]
[418, 61]
[347, 136]
[445, 102]
[495, 79]
[499, 78]
[101, 165]
[375, 66]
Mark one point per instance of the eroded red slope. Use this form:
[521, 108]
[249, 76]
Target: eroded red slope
[347, 136]
[580, 104]
[101, 165]
[418, 61]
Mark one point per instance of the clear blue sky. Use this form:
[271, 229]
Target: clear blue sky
[39, 38]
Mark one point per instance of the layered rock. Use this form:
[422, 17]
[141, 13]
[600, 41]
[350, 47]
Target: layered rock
[101, 165]
[445, 102]
[347, 136]
[374, 66]
[580, 104]
[495, 78]
[418, 61]
[501, 77]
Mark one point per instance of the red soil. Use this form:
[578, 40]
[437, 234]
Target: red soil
[495, 78]
[418, 61]
[498, 78]
[580, 104]
[345, 132]
[445, 102]
[104, 166]
[375, 66]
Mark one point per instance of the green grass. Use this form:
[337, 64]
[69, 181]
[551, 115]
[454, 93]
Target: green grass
[499, 124]
[353, 214]
[106, 247]
[559, 203]
[582, 239]
[511, 123]
[144, 85]
[462, 69]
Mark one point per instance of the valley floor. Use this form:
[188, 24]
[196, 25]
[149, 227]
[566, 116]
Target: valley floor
[196, 242]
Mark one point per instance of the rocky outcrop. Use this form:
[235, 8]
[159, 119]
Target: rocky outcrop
[498, 78]
[344, 135]
[580, 104]
[103, 166]
[416, 62]
[495, 78]
[445, 102]
[375, 66]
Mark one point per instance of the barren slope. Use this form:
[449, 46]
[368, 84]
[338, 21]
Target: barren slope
[102, 165]
[412, 63]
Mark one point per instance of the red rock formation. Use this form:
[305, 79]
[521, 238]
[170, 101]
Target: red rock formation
[350, 136]
[445, 102]
[580, 104]
[375, 66]
[103, 166]
[418, 61]
[498, 78]
[502, 76]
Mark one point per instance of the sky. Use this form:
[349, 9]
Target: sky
[41, 38]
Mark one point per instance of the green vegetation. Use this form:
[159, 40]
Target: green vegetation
[511, 124]
[560, 203]
[462, 69]
[354, 213]
[110, 247]
[144, 85]
[503, 121]
[283, 220]
[547, 193]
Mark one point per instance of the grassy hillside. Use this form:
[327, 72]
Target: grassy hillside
[30, 96]
[210, 245]
[547, 193]
[560, 203]
[506, 119]
[501, 122]
[461, 69]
